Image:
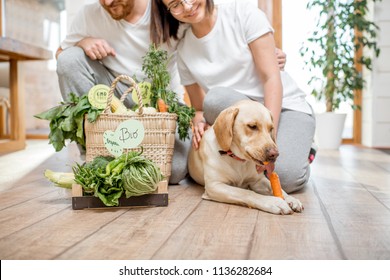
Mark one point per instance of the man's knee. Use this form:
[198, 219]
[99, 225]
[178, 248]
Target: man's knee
[69, 59]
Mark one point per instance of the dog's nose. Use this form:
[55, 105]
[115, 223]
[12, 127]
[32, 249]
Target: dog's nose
[272, 154]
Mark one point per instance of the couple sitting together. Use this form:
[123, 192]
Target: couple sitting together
[221, 53]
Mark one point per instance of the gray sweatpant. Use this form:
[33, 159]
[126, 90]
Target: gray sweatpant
[77, 73]
[295, 137]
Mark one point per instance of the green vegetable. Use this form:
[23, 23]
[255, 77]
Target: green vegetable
[140, 176]
[110, 190]
[118, 169]
[67, 120]
[111, 165]
[87, 177]
[100, 162]
[108, 178]
[109, 197]
[155, 66]
[185, 115]
[60, 179]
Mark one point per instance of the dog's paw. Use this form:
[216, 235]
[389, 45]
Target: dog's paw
[294, 203]
[279, 206]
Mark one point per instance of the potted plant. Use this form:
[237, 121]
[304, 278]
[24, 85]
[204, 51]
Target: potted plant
[334, 55]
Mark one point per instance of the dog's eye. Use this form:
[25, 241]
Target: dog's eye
[252, 126]
[271, 132]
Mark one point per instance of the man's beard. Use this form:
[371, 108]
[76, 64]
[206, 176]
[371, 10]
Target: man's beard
[119, 9]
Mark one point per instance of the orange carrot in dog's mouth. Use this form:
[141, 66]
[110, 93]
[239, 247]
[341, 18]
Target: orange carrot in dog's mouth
[275, 185]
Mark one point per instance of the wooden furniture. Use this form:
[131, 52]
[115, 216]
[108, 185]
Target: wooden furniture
[14, 51]
[273, 10]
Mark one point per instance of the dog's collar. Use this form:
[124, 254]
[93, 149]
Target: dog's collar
[230, 154]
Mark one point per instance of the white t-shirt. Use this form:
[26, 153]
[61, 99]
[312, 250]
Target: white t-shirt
[223, 58]
[130, 41]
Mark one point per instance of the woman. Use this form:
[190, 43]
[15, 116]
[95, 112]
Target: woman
[228, 51]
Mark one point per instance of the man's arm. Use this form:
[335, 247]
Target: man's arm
[94, 48]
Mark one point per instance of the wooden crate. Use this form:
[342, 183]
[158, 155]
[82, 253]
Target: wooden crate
[157, 198]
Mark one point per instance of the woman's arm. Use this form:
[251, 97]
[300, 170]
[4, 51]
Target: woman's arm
[197, 94]
[263, 52]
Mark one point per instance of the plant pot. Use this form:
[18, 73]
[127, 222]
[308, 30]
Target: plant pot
[329, 130]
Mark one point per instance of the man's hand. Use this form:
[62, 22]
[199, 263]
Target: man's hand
[96, 48]
[59, 50]
[281, 58]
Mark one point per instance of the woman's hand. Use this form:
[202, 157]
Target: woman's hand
[196, 95]
[199, 130]
[200, 126]
[281, 58]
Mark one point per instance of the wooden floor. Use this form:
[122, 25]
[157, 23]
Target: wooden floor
[346, 216]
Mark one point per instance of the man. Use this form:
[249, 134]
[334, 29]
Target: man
[105, 40]
[110, 38]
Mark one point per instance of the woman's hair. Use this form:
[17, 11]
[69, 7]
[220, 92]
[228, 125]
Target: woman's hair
[163, 25]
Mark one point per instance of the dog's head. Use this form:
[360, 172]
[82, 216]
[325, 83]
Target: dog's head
[247, 130]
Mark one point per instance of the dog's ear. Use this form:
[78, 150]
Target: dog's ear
[223, 127]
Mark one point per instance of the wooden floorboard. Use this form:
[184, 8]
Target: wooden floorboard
[213, 231]
[300, 236]
[139, 232]
[346, 216]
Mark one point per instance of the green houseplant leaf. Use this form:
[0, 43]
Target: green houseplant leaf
[342, 29]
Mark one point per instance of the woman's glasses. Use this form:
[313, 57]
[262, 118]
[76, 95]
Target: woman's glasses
[177, 8]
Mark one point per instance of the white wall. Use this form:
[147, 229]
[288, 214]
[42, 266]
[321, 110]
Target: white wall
[37, 23]
[72, 7]
[376, 97]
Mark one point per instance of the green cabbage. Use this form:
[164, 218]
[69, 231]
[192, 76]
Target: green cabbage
[141, 176]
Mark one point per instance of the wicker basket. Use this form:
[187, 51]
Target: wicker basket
[159, 139]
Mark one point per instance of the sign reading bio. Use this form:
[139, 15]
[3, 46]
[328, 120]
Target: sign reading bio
[129, 134]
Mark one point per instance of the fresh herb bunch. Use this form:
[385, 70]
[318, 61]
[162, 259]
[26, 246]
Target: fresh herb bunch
[155, 66]
[67, 120]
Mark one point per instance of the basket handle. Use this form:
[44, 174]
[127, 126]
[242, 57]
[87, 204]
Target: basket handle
[133, 86]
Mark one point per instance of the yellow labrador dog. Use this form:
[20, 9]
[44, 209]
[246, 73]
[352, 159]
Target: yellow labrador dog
[230, 160]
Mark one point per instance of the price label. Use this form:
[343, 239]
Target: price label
[146, 92]
[98, 96]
